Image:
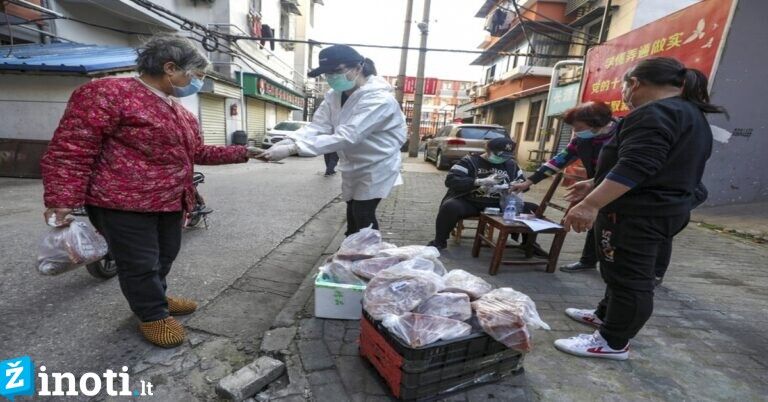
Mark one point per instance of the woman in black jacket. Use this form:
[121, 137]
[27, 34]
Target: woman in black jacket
[641, 197]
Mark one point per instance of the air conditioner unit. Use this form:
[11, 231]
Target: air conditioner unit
[482, 92]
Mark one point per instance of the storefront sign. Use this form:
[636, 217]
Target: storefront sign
[269, 89]
[693, 35]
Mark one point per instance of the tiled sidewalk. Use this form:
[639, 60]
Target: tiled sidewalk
[705, 341]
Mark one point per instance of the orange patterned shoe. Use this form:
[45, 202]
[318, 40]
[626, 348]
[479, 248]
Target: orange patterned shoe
[180, 305]
[166, 333]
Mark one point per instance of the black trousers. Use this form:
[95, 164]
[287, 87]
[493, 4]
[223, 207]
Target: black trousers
[331, 160]
[589, 254]
[453, 210]
[629, 248]
[361, 214]
[143, 246]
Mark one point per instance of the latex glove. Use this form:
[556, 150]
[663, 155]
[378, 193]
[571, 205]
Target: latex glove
[520, 186]
[499, 188]
[279, 152]
[488, 181]
[287, 141]
[58, 217]
[579, 190]
[254, 153]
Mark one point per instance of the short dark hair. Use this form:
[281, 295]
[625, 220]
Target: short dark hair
[593, 114]
[369, 68]
[161, 49]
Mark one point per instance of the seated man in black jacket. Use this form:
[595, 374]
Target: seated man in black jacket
[475, 183]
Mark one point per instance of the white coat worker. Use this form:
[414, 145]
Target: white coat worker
[361, 120]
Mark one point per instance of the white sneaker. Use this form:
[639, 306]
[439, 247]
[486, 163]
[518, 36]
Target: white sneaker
[591, 345]
[584, 316]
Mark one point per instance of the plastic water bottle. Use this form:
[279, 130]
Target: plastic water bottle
[517, 198]
[510, 212]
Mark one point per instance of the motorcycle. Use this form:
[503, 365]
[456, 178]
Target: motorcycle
[106, 268]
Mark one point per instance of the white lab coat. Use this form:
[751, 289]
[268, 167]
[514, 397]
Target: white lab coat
[367, 132]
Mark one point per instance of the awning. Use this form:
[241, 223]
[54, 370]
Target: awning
[486, 8]
[513, 97]
[292, 6]
[67, 58]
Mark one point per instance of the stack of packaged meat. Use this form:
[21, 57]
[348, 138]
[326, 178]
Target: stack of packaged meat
[420, 302]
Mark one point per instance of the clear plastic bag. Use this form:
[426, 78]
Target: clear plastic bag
[424, 264]
[455, 306]
[410, 252]
[65, 248]
[339, 273]
[399, 290]
[361, 245]
[508, 316]
[369, 268]
[462, 281]
[418, 330]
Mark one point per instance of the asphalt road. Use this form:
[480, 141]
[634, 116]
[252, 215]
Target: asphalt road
[77, 323]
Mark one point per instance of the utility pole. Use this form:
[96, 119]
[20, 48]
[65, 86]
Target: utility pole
[400, 86]
[604, 23]
[413, 147]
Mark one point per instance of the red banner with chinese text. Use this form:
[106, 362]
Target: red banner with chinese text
[692, 35]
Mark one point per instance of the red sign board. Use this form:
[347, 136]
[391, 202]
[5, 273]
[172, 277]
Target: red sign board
[430, 85]
[692, 35]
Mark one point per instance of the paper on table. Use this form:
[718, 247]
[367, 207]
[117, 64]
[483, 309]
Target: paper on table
[537, 225]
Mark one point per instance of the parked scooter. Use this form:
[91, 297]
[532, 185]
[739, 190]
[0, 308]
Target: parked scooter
[106, 268]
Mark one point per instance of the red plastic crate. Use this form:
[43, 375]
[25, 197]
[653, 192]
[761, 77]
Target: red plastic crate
[441, 375]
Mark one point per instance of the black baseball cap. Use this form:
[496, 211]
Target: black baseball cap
[503, 147]
[332, 57]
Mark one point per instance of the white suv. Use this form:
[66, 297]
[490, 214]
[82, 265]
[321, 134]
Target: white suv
[278, 133]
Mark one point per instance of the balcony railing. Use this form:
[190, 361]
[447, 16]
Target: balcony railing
[573, 5]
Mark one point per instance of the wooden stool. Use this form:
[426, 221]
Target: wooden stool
[500, 244]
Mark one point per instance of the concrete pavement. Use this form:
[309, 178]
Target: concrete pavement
[705, 341]
[77, 323]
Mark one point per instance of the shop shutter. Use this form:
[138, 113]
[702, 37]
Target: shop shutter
[283, 114]
[256, 120]
[213, 120]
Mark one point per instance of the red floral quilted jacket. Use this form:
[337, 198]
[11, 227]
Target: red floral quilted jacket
[120, 146]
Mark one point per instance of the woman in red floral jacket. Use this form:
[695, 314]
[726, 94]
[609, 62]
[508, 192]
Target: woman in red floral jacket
[125, 148]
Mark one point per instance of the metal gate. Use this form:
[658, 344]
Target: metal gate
[256, 120]
[213, 120]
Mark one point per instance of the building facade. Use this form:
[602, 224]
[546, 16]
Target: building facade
[255, 82]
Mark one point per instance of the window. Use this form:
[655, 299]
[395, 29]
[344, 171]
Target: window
[481, 133]
[285, 25]
[256, 6]
[533, 119]
[519, 131]
[490, 74]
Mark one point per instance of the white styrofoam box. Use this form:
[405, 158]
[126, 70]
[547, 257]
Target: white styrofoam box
[338, 301]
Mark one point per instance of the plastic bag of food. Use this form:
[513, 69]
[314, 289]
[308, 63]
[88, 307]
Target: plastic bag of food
[398, 290]
[423, 264]
[418, 330]
[455, 306]
[508, 315]
[369, 268]
[339, 273]
[361, 245]
[65, 248]
[410, 252]
[462, 281]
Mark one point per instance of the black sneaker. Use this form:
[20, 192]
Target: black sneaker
[577, 267]
[439, 246]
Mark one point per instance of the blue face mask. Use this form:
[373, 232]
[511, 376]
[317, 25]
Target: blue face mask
[586, 134]
[194, 87]
[340, 82]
